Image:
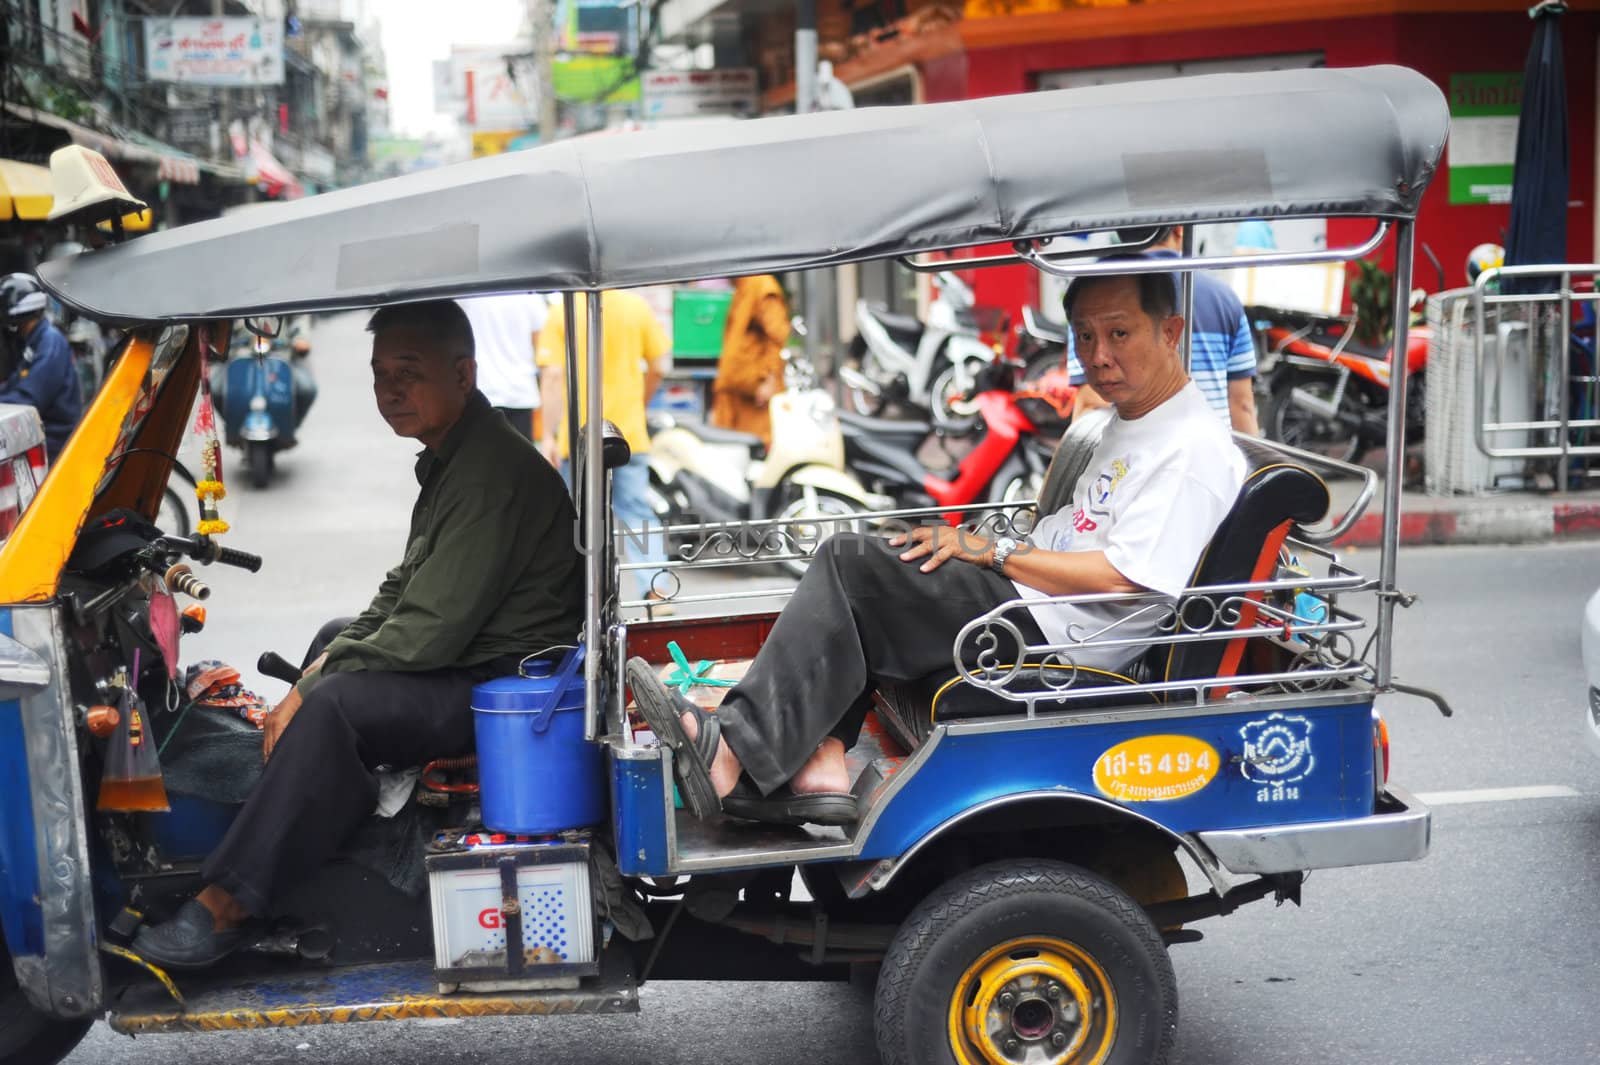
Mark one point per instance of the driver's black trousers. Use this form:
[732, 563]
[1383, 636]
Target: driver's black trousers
[321, 782]
[860, 615]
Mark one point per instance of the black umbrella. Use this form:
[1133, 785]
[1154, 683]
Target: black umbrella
[1538, 233]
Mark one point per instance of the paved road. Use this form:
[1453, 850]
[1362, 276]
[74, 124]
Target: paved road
[1481, 954]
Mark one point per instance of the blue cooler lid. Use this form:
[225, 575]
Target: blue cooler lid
[524, 692]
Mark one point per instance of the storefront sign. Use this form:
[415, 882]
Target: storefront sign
[1483, 136]
[690, 93]
[238, 51]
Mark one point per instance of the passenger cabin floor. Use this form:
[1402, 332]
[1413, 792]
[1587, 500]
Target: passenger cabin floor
[725, 842]
[385, 992]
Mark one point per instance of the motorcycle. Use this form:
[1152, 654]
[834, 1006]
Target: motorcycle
[1326, 391]
[1040, 345]
[700, 473]
[263, 392]
[933, 367]
[1016, 436]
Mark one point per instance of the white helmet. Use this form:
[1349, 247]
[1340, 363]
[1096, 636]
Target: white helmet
[21, 296]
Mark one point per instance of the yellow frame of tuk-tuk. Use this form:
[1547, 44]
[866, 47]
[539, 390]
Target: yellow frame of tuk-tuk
[32, 558]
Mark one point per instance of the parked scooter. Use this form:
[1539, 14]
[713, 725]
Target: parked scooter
[1329, 393]
[264, 390]
[1016, 436]
[897, 359]
[1041, 345]
[703, 474]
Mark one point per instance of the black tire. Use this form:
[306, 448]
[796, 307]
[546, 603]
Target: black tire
[1039, 915]
[28, 1037]
[174, 515]
[259, 457]
[1039, 363]
[818, 504]
[854, 399]
[953, 414]
[1289, 424]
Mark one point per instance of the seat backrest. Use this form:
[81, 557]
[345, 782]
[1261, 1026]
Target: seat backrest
[1071, 459]
[1276, 496]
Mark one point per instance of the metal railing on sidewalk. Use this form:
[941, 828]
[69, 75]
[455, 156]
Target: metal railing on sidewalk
[1506, 404]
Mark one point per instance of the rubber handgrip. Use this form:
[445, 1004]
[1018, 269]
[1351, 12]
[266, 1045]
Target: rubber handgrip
[243, 559]
[272, 664]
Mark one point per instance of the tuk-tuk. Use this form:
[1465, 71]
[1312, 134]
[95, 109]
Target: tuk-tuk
[1030, 836]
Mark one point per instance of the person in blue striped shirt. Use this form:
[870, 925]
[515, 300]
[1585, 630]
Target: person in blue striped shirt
[1223, 363]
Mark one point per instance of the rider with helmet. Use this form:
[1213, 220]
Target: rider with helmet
[42, 373]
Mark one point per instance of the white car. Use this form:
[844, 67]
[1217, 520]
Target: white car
[1591, 670]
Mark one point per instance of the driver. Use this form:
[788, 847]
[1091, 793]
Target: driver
[1157, 486]
[490, 575]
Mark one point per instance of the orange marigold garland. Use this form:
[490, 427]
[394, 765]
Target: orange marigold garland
[210, 487]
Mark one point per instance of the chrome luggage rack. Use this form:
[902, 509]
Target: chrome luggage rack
[773, 541]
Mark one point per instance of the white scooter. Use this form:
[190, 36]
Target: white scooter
[897, 359]
[703, 474]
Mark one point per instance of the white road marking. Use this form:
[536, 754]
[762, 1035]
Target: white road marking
[1533, 791]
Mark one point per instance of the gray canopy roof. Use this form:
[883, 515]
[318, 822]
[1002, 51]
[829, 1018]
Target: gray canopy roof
[789, 193]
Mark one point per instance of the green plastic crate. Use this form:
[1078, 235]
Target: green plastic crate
[698, 316]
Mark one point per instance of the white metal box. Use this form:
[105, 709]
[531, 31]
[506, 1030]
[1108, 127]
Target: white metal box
[538, 893]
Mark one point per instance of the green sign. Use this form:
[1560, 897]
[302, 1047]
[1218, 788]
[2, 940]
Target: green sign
[1483, 136]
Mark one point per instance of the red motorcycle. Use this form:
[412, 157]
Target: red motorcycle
[1013, 441]
[1328, 392]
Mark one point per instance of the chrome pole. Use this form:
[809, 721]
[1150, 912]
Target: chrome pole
[1564, 395]
[569, 313]
[595, 517]
[1395, 445]
[1187, 306]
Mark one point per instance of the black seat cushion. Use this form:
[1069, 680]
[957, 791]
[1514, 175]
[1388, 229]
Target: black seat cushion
[853, 424]
[904, 328]
[712, 434]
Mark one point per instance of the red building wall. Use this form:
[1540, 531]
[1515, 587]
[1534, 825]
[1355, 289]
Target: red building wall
[1436, 45]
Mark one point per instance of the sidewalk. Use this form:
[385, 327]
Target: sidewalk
[1504, 518]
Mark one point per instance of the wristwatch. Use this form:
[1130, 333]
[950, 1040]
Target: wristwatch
[1002, 551]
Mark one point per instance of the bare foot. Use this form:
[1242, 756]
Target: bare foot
[226, 912]
[725, 768]
[825, 770]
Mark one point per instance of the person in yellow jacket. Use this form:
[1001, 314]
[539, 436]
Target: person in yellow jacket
[750, 370]
[635, 351]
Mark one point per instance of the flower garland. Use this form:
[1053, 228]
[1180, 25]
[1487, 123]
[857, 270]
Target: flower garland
[210, 488]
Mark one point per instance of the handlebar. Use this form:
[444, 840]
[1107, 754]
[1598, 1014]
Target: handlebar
[208, 551]
[272, 664]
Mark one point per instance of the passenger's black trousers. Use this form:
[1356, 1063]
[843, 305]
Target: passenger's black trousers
[320, 782]
[860, 615]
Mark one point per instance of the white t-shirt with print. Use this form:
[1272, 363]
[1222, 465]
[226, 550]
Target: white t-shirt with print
[1153, 494]
[503, 332]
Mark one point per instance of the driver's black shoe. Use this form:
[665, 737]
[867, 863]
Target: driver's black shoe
[188, 940]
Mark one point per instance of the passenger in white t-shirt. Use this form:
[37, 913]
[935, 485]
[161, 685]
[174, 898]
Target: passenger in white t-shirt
[504, 329]
[1159, 483]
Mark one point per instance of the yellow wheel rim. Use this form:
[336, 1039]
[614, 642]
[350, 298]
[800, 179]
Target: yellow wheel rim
[1036, 1000]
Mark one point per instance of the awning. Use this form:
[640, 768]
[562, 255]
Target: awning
[24, 191]
[272, 176]
[171, 164]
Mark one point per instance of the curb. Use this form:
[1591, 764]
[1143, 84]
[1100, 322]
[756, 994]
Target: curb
[1521, 522]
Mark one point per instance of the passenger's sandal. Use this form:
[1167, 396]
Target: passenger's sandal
[663, 709]
[789, 807]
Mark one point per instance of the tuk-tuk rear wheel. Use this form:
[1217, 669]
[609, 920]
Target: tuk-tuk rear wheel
[28, 1037]
[1027, 962]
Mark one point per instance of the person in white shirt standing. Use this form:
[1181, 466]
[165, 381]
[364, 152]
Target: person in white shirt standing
[504, 330]
[1159, 483]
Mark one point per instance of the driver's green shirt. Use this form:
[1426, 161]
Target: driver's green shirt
[490, 569]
